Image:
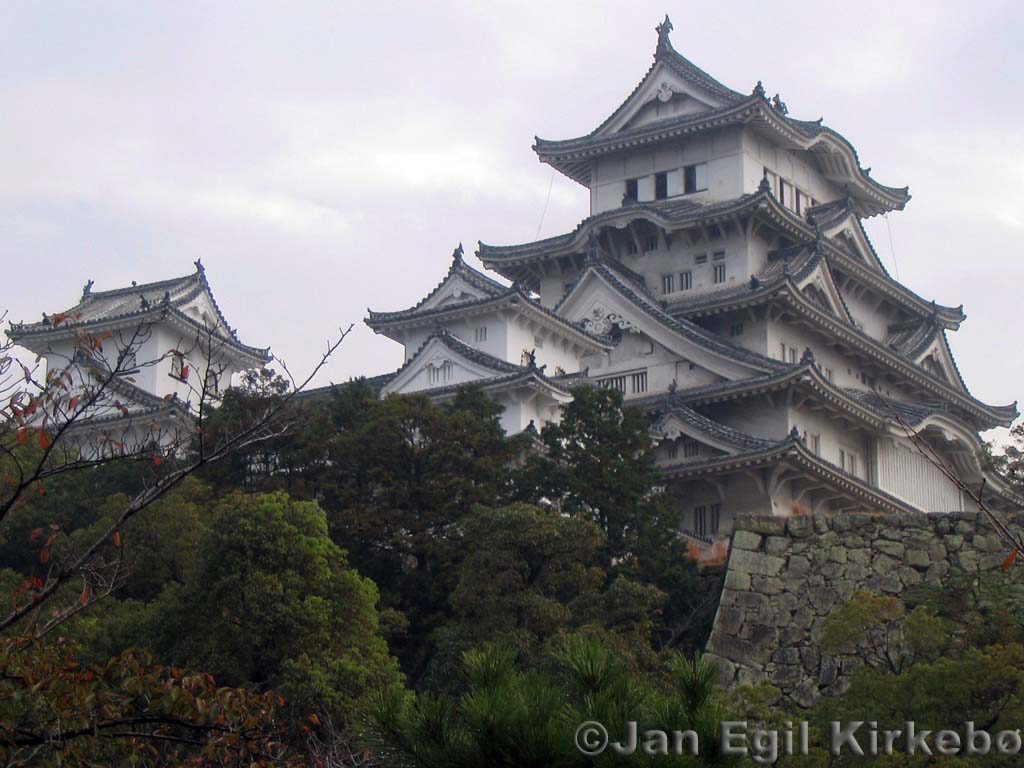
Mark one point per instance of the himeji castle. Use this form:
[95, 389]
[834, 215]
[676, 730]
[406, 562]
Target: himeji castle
[723, 282]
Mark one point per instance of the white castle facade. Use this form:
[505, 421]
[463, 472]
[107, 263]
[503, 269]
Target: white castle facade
[723, 282]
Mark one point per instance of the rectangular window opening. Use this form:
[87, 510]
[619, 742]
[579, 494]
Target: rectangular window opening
[660, 186]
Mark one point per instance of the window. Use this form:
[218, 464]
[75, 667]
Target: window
[716, 515]
[700, 258]
[631, 248]
[782, 191]
[673, 450]
[639, 382]
[695, 178]
[719, 273]
[782, 351]
[869, 381]
[690, 448]
[700, 520]
[799, 201]
[792, 354]
[719, 256]
[650, 243]
[179, 366]
[632, 190]
[480, 334]
[440, 374]
[614, 382]
[685, 280]
[660, 186]
[828, 374]
[736, 329]
[848, 461]
[668, 283]
[815, 444]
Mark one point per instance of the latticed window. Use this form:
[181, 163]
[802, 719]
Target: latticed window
[716, 517]
[685, 280]
[639, 382]
[719, 273]
[440, 374]
[700, 520]
[690, 448]
[614, 382]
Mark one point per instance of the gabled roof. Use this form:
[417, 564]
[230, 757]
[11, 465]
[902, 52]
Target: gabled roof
[494, 297]
[684, 419]
[671, 212]
[836, 156]
[135, 304]
[492, 372]
[459, 276]
[515, 261]
[793, 451]
[799, 266]
[693, 334]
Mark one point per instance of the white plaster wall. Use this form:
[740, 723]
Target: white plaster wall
[906, 474]
[795, 167]
[873, 321]
[721, 150]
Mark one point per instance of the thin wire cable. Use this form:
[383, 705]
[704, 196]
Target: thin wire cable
[892, 247]
[547, 200]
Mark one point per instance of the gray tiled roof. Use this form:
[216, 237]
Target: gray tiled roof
[685, 328]
[671, 210]
[716, 430]
[136, 303]
[510, 295]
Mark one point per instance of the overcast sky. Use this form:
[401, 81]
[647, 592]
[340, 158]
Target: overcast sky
[325, 157]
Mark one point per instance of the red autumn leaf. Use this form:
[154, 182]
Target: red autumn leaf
[44, 556]
[1008, 562]
[158, 460]
[74, 401]
[54, 527]
[36, 534]
[184, 372]
[117, 539]
[85, 596]
[44, 439]
[22, 435]
[60, 317]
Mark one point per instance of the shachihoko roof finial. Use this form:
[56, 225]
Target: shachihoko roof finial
[457, 253]
[199, 265]
[87, 289]
[779, 105]
[663, 31]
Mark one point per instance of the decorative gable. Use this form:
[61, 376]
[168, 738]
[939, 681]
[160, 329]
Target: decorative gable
[445, 361]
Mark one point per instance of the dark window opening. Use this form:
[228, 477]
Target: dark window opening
[632, 190]
[660, 186]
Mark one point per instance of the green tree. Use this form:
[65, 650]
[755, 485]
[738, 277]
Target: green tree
[274, 604]
[529, 574]
[403, 473]
[508, 715]
[598, 464]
